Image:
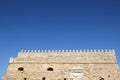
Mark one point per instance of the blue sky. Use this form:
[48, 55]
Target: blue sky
[58, 24]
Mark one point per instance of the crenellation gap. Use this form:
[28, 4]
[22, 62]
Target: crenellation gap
[49, 51]
[91, 50]
[95, 50]
[113, 50]
[70, 50]
[62, 50]
[28, 51]
[38, 51]
[84, 50]
[98, 50]
[110, 50]
[52, 51]
[102, 50]
[22, 50]
[34, 51]
[41, 51]
[80, 50]
[88, 50]
[31, 51]
[77, 51]
[66, 50]
[106, 50]
[73, 50]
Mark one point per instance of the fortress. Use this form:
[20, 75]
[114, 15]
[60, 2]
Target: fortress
[63, 65]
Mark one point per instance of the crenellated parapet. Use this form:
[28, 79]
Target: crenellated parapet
[39, 53]
[65, 56]
[56, 51]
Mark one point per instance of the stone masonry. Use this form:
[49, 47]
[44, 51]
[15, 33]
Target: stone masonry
[63, 65]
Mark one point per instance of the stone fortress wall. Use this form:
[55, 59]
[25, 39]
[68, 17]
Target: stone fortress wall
[87, 64]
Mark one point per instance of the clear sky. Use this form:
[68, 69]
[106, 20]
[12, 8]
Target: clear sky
[58, 24]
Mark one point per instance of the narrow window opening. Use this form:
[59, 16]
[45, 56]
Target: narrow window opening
[43, 78]
[50, 69]
[20, 69]
[25, 78]
[101, 78]
[65, 79]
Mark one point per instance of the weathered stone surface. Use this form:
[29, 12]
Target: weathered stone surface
[63, 65]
